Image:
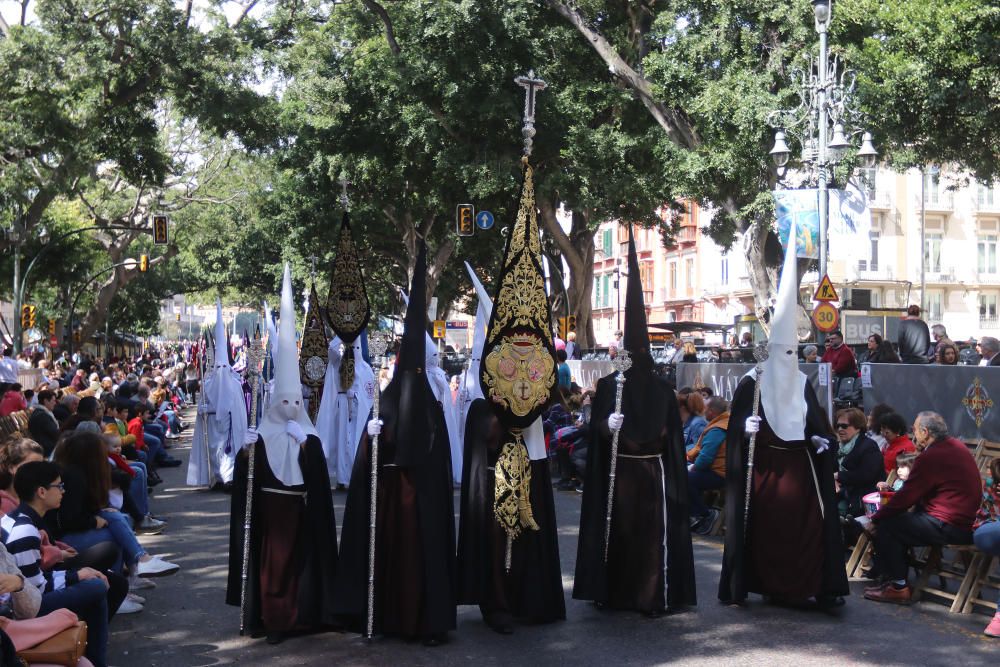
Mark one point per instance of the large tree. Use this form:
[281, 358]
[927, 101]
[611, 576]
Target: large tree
[82, 83]
[709, 73]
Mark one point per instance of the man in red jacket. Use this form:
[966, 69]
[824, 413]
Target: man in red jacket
[944, 487]
[839, 356]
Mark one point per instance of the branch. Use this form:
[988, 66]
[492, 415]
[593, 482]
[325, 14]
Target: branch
[390, 35]
[246, 11]
[4, 26]
[679, 130]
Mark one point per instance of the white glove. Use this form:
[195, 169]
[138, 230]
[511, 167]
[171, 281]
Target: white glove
[865, 522]
[820, 443]
[250, 438]
[615, 420]
[295, 432]
[374, 427]
[752, 425]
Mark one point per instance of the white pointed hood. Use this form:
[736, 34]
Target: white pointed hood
[286, 398]
[783, 384]
[221, 339]
[483, 312]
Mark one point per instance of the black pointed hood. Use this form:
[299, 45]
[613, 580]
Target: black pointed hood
[412, 435]
[636, 334]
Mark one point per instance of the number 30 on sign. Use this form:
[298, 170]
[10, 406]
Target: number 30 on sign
[826, 317]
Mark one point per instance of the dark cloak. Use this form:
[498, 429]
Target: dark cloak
[285, 530]
[415, 531]
[532, 590]
[634, 577]
[789, 552]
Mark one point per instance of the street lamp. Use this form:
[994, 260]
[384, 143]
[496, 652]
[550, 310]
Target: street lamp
[825, 122]
[924, 172]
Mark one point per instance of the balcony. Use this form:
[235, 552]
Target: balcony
[874, 272]
[987, 278]
[989, 323]
[936, 202]
[879, 200]
[986, 204]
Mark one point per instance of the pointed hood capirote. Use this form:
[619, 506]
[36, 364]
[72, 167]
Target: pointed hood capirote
[781, 382]
[483, 311]
[286, 398]
[518, 371]
[412, 436]
[636, 334]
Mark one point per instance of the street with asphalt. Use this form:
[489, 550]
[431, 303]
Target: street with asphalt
[186, 622]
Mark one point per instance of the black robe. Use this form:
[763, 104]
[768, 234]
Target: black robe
[651, 501]
[415, 535]
[790, 550]
[293, 544]
[532, 590]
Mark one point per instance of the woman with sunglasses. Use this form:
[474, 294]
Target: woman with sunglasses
[859, 463]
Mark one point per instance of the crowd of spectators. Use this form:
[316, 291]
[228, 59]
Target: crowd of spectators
[77, 487]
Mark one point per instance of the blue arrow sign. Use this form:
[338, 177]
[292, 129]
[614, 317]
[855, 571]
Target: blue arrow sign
[484, 220]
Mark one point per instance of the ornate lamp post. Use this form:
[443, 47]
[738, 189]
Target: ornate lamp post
[825, 108]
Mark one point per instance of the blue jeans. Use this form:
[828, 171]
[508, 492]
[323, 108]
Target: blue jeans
[987, 538]
[118, 530]
[88, 600]
[700, 481]
[155, 447]
[139, 488]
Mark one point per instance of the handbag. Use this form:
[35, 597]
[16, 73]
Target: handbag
[65, 648]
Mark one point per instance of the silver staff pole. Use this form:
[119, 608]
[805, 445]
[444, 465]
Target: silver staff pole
[378, 343]
[621, 363]
[254, 357]
[760, 353]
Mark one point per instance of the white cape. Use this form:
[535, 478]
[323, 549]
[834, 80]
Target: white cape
[343, 416]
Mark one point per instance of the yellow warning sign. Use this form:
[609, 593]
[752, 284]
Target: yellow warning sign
[439, 328]
[825, 291]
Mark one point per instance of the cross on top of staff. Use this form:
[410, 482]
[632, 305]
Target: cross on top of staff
[531, 85]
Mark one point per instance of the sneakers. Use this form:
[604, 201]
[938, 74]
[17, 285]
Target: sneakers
[156, 567]
[150, 526]
[889, 593]
[129, 607]
[137, 584]
[993, 629]
[136, 598]
[708, 524]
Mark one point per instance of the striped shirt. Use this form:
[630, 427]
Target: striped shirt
[19, 531]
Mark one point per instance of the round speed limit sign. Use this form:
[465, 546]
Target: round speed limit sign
[826, 317]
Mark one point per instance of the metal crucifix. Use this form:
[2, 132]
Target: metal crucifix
[345, 202]
[531, 85]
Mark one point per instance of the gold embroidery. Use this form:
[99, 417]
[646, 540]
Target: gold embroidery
[519, 373]
[347, 306]
[313, 353]
[512, 491]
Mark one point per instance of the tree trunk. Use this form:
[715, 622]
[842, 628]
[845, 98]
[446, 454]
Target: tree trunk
[577, 250]
[106, 293]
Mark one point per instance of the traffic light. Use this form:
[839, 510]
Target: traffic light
[52, 327]
[143, 263]
[25, 316]
[160, 229]
[465, 222]
[570, 324]
[76, 336]
[178, 317]
[562, 328]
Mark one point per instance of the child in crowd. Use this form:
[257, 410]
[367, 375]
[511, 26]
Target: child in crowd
[904, 463]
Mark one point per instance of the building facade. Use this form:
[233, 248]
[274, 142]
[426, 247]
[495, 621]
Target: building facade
[696, 280]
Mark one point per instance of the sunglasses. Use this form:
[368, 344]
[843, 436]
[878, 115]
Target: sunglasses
[839, 426]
